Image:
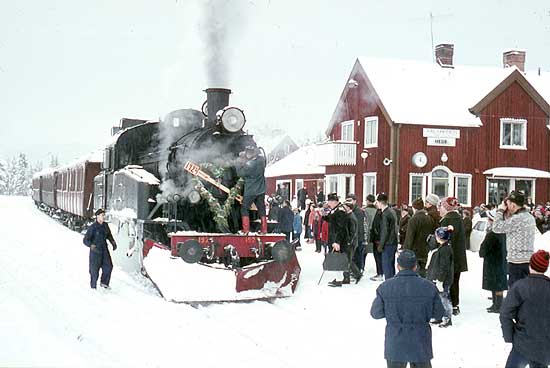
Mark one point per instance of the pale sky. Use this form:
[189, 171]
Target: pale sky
[70, 69]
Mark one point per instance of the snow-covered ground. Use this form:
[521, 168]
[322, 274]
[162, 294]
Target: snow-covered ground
[50, 317]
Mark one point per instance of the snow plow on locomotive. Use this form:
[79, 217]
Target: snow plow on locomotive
[173, 199]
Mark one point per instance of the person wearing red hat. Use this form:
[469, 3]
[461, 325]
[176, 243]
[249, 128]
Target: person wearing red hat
[524, 316]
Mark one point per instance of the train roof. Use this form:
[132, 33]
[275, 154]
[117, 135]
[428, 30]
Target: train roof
[95, 156]
[114, 138]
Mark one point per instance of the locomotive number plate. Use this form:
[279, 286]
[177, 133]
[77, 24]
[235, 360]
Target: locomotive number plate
[192, 168]
[203, 240]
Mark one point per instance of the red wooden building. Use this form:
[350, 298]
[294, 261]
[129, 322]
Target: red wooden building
[411, 128]
[298, 169]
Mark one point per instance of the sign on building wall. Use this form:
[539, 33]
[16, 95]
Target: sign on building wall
[441, 137]
[441, 133]
[448, 142]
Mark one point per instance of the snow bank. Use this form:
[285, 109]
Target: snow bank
[52, 318]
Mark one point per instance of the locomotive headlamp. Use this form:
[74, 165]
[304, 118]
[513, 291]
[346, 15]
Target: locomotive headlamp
[194, 197]
[233, 119]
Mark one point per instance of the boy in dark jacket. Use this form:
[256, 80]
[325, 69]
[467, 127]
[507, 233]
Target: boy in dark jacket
[297, 229]
[441, 271]
[524, 316]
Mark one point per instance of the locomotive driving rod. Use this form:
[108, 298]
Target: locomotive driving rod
[195, 170]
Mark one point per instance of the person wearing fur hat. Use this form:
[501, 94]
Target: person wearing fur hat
[493, 252]
[420, 226]
[340, 239]
[441, 271]
[514, 220]
[524, 317]
[96, 239]
[448, 209]
[431, 203]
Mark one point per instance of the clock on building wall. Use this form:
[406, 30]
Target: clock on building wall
[419, 159]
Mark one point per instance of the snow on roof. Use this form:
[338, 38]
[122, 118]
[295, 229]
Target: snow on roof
[540, 82]
[138, 173]
[302, 161]
[517, 172]
[415, 92]
[95, 156]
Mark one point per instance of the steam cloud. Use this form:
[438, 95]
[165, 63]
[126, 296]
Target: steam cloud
[220, 25]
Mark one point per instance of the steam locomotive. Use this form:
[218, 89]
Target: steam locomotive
[171, 192]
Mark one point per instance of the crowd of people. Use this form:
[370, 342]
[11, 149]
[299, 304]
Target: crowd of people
[430, 239]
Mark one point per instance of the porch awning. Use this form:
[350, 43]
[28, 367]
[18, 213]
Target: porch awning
[517, 172]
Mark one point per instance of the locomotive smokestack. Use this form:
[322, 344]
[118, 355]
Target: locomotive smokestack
[217, 99]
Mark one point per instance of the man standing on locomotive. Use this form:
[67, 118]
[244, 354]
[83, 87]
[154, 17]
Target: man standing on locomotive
[96, 238]
[251, 167]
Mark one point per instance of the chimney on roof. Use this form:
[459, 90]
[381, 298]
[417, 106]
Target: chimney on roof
[514, 57]
[444, 54]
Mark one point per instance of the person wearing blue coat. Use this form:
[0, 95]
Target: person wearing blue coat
[408, 302]
[96, 239]
[297, 228]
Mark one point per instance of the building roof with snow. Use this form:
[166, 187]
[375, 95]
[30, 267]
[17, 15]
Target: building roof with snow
[422, 93]
[300, 162]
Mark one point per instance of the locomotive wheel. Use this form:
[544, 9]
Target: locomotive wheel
[190, 251]
[282, 251]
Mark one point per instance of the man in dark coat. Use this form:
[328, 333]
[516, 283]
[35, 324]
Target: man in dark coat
[340, 235]
[370, 211]
[403, 224]
[524, 316]
[389, 229]
[493, 252]
[359, 254]
[408, 302]
[251, 167]
[375, 238]
[448, 209]
[301, 196]
[320, 196]
[467, 227]
[420, 226]
[96, 239]
[286, 220]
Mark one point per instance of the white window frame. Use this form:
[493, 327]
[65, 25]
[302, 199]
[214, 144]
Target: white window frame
[524, 135]
[423, 191]
[370, 175]
[451, 188]
[512, 186]
[341, 184]
[282, 181]
[469, 196]
[329, 179]
[374, 120]
[343, 126]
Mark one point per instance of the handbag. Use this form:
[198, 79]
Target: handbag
[336, 261]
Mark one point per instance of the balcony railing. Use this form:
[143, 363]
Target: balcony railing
[337, 153]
